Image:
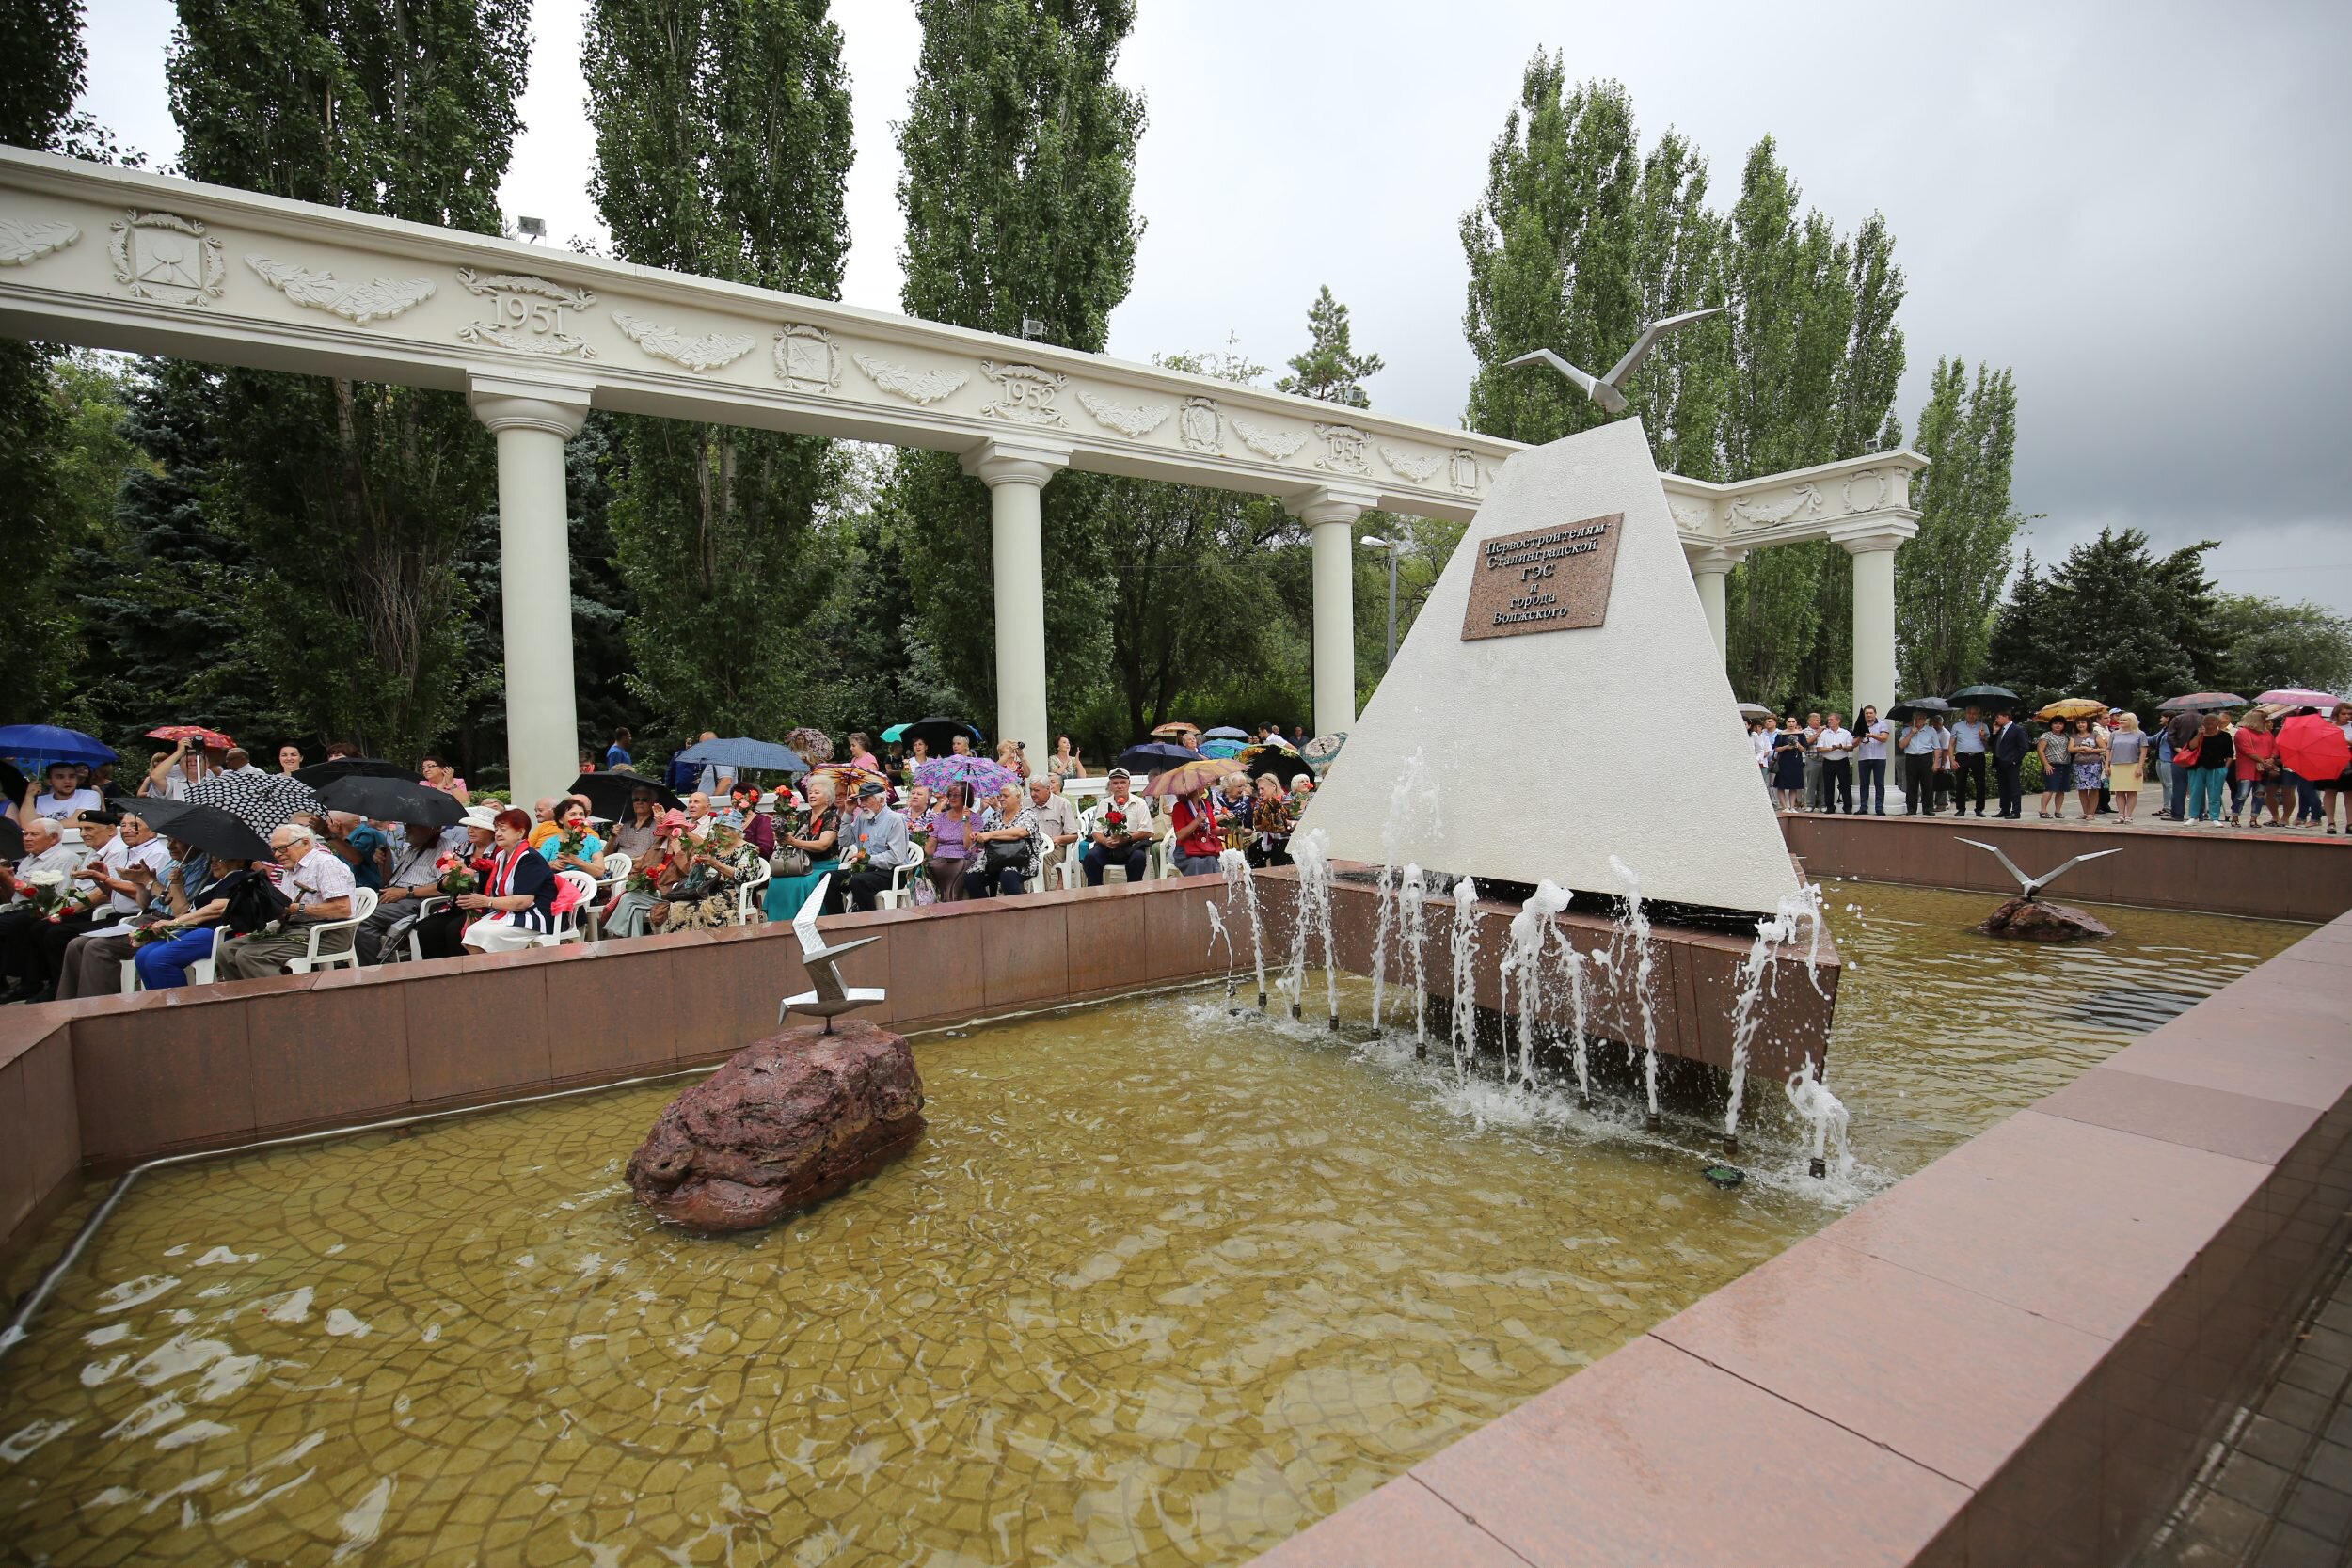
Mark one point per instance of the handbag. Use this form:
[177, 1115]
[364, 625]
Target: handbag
[788, 861]
[1005, 854]
[2186, 757]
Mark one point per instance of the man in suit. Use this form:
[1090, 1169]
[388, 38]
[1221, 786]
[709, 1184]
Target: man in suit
[2009, 746]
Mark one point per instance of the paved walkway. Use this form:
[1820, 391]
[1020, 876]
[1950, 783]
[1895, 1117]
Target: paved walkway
[2277, 1490]
[2145, 817]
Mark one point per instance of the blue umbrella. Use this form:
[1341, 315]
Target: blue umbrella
[743, 751]
[48, 743]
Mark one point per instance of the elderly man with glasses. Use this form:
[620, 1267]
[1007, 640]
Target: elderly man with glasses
[317, 885]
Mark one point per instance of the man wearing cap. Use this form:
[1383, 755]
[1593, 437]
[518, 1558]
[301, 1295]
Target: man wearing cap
[1122, 832]
[873, 846]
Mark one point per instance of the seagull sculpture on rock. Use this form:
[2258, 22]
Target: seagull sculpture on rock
[1609, 390]
[831, 997]
[2033, 885]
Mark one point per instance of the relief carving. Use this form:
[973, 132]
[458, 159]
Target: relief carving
[705, 351]
[1872, 480]
[807, 359]
[1344, 449]
[1749, 513]
[1024, 393]
[1462, 469]
[168, 258]
[1421, 470]
[527, 314]
[1280, 445]
[20, 243]
[378, 299]
[1201, 427]
[914, 385]
[1135, 422]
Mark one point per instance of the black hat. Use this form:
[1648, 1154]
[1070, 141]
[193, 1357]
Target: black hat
[870, 787]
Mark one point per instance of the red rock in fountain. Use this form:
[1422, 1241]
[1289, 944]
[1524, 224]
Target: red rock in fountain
[788, 1122]
[2031, 920]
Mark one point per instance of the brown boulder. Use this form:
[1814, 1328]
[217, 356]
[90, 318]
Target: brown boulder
[788, 1122]
[2031, 920]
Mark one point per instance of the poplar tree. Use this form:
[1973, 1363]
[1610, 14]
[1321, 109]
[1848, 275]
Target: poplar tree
[1019, 148]
[722, 149]
[352, 499]
[1949, 579]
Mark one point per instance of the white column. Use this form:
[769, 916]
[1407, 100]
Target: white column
[1015, 473]
[1710, 565]
[1331, 513]
[1874, 612]
[533, 421]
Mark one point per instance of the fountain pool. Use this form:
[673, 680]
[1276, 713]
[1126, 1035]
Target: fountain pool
[1162, 1284]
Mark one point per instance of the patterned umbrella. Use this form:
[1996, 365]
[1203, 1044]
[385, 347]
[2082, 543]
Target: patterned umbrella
[2068, 707]
[2201, 702]
[846, 780]
[985, 776]
[2315, 747]
[2300, 696]
[1185, 777]
[261, 802]
[814, 745]
[196, 733]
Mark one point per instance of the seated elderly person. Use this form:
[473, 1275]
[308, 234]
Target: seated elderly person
[441, 933]
[415, 877]
[92, 965]
[514, 906]
[41, 879]
[360, 844]
[874, 847]
[639, 826]
[573, 846]
[318, 887]
[104, 892]
[1056, 822]
[228, 897]
[1119, 832]
[1003, 847]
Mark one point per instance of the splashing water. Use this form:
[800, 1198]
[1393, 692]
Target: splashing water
[1414, 893]
[1523, 965]
[1412, 797]
[1311, 853]
[1465, 1016]
[1572, 964]
[1235, 866]
[1636, 931]
[1770, 936]
[1810, 1098]
[1216, 934]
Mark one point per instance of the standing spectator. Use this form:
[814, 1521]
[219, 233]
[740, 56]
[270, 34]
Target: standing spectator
[1873, 737]
[861, 752]
[1762, 734]
[1922, 746]
[1122, 832]
[441, 776]
[714, 780]
[1004, 846]
[2183, 733]
[318, 887]
[2009, 746]
[238, 761]
[1056, 821]
[1064, 763]
[918, 753]
[2339, 789]
[2058, 771]
[1012, 755]
[2255, 776]
[65, 797]
[616, 755]
[2087, 755]
[289, 757]
[1835, 745]
[1972, 740]
[1812, 762]
[173, 771]
[2215, 750]
[1789, 753]
[2127, 758]
[2104, 727]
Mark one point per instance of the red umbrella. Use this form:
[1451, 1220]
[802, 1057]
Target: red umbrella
[2315, 747]
[2300, 696]
[196, 733]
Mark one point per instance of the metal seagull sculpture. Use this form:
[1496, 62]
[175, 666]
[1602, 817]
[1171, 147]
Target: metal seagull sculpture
[2033, 885]
[1608, 391]
[831, 997]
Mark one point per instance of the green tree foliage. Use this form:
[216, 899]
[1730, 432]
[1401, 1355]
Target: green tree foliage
[2115, 621]
[2266, 644]
[723, 148]
[1019, 148]
[1328, 369]
[353, 499]
[1580, 238]
[1949, 579]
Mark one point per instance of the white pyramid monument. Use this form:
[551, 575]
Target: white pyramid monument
[1579, 712]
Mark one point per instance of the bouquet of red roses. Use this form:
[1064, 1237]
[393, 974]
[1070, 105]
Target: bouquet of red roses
[455, 876]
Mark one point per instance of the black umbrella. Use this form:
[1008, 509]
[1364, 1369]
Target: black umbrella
[259, 801]
[1281, 761]
[11, 839]
[1156, 756]
[608, 794]
[401, 800]
[218, 832]
[12, 784]
[1918, 704]
[938, 734]
[1982, 696]
[320, 774]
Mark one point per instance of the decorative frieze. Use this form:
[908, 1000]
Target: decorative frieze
[807, 359]
[1462, 469]
[1867, 491]
[1343, 449]
[168, 258]
[1750, 513]
[1135, 422]
[20, 243]
[1280, 445]
[1201, 427]
[1024, 393]
[527, 314]
[1421, 470]
[923, 387]
[378, 299]
[705, 351]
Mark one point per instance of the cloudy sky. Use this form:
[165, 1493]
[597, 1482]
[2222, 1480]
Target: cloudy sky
[2138, 207]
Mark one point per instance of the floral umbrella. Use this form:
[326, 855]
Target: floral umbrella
[196, 733]
[814, 745]
[847, 780]
[2300, 696]
[984, 775]
[1185, 777]
[261, 802]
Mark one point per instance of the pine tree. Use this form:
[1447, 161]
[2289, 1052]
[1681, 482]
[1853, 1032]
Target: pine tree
[1019, 148]
[722, 149]
[2026, 652]
[353, 499]
[1949, 578]
[1328, 369]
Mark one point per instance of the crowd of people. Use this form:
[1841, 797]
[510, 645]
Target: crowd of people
[95, 886]
[2207, 767]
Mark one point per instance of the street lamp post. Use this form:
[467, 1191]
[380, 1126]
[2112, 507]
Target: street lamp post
[1375, 542]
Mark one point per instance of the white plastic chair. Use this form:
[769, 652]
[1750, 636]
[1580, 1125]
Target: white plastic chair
[748, 894]
[616, 869]
[200, 969]
[362, 905]
[570, 926]
[432, 902]
[895, 894]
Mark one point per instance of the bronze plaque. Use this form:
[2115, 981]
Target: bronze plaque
[1547, 580]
